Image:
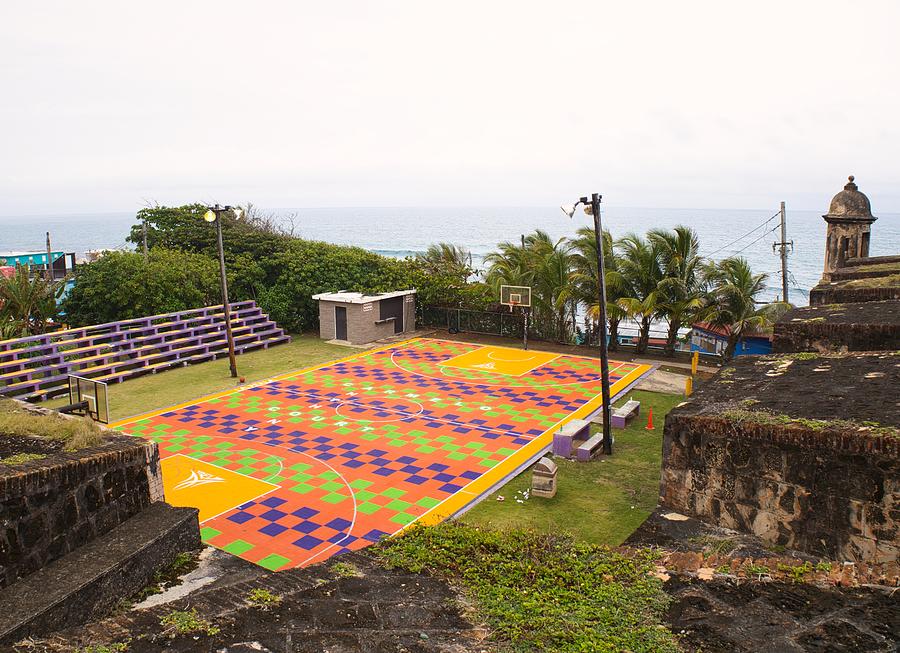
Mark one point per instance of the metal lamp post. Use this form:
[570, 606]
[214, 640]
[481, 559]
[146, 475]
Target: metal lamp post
[592, 207]
[214, 214]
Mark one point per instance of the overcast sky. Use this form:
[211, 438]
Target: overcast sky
[108, 105]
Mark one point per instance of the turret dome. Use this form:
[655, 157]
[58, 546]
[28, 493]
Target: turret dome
[850, 205]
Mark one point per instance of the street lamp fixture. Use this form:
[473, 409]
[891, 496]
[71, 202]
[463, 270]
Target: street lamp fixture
[214, 214]
[592, 207]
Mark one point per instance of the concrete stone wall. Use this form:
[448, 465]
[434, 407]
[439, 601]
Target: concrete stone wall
[52, 506]
[830, 494]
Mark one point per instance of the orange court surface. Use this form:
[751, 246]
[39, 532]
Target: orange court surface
[293, 470]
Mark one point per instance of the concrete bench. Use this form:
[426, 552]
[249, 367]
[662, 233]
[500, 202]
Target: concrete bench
[564, 439]
[590, 448]
[624, 413]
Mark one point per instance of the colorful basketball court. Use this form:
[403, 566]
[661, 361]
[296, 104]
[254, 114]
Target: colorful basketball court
[295, 469]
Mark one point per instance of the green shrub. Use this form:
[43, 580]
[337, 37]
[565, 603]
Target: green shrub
[543, 592]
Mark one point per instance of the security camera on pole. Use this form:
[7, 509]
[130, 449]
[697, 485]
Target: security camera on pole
[592, 207]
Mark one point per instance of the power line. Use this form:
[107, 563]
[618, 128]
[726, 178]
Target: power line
[765, 233]
[739, 238]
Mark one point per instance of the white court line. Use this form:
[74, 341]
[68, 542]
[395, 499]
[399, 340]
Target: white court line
[278, 487]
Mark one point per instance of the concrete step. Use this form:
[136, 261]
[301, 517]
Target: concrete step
[88, 582]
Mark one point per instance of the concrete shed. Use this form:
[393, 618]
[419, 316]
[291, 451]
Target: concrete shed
[358, 319]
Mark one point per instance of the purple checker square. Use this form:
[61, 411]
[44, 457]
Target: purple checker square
[273, 515]
[305, 512]
[273, 529]
[308, 542]
[338, 524]
[305, 527]
[416, 479]
[240, 517]
[384, 471]
[272, 502]
[374, 535]
[450, 487]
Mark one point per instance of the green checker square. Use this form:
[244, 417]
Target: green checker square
[245, 470]
[426, 449]
[300, 467]
[343, 430]
[393, 492]
[174, 447]
[273, 562]
[329, 475]
[237, 547]
[364, 495]
[208, 533]
[295, 420]
[428, 502]
[302, 488]
[220, 445]
[505, 451]
[398, 505]
[396, 443]
[368, 508]
[456, 455]
[403, 519]
[334, 497]
[444, 438]
[487, 462]
[369, 436]
[331, 486]
[360, 484]
[451, 447]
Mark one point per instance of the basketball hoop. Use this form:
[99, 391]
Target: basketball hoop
[512, 306]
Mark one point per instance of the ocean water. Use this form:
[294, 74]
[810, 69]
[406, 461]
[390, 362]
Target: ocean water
[401, 232]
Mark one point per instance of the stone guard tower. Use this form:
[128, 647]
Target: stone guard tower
[849, 221]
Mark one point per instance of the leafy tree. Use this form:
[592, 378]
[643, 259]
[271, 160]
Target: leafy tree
[121, 285]
[545, 265]
[27, 303]
[680, 291]
[732, 300]
[639, 264]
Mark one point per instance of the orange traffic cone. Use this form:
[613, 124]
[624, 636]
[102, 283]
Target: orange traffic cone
[650, 420]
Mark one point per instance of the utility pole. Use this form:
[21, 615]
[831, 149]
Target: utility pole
[144, 229]
[604, 355]
[784, 254]
[49, 261]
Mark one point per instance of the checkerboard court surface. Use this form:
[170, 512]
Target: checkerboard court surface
[337, 456]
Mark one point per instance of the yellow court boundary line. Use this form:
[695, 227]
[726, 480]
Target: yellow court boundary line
[488, 480]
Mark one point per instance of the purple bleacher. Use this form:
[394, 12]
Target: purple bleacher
[37, 367]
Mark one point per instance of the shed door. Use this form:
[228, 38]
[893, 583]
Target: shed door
[393, 307]
[340, 322]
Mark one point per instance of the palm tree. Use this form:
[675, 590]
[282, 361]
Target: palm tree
[586, 280]
[639, 264]
[732, 304]
[679, 292]
[544, 264]
[447, 258]
[27, 302]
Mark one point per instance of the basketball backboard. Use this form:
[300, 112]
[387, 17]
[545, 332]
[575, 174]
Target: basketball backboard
[513, 296]
[92, 395]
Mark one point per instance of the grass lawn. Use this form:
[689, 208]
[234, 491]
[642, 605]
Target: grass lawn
[180, 384]
[600, 502]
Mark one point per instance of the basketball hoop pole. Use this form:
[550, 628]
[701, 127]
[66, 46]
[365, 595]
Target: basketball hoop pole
[512, 308]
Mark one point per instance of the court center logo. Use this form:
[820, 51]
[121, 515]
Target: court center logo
[485, 366]
[197, 478]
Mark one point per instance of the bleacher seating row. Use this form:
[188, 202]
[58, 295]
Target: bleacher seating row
[37, 367]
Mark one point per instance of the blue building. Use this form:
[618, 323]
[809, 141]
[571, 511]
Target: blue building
[711, 339]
